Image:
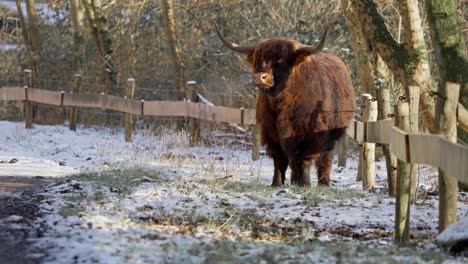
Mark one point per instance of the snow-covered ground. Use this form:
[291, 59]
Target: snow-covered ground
[44, 11]
[158, 200]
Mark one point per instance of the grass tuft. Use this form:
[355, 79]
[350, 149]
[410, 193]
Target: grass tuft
[118, 180]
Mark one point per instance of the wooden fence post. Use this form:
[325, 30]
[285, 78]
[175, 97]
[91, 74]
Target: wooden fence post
[129, 94]
[74, 110]
[403, 196]
[194, 123]
[342, 151]
[385, 113]
[256, 143]
[360, 161]
[361, 146]
[28, 118]
[256, 140]
[412, 94]
[368, 149]
[446, 123]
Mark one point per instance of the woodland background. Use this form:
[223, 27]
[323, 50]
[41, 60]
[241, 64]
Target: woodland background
[163, 44]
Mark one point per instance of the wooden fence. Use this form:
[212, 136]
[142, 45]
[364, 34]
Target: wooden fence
[144, 108]
[429, 149]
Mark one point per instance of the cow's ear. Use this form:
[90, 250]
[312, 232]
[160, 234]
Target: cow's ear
[250, 58]
[303, 51]
[299, 57]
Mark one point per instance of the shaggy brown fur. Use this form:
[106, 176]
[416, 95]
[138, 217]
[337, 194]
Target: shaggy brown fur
[303, 110]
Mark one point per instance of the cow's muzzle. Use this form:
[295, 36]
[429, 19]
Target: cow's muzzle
[263, 80]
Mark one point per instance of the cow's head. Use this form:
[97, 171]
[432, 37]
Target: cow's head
[272, 60]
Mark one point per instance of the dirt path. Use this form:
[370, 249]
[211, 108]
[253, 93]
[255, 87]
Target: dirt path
[19, 201]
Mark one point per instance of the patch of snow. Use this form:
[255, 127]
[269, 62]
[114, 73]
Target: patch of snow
[457, 231]
[204, 100]
[10, 5]
[10, 47]
[13, 219]
[44, 11]
[31, 167]
[189, 205]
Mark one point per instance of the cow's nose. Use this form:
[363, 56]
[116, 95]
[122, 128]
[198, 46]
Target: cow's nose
[263, 79]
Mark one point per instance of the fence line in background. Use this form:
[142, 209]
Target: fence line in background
[429, 149]
[144, 108]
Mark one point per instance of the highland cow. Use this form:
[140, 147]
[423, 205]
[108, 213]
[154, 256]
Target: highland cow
[305, 103]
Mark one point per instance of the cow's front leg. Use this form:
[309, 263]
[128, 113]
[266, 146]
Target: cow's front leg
[281, 164]
[300, 172]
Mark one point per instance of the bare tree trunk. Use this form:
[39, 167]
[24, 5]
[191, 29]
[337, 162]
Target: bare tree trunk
[31, 39]
[102, 38]
[30, 32]
[76, 10]
[179, 82]
[449, 47]
[414, 36]
[408, 62]
[360, 48]
[447, 40]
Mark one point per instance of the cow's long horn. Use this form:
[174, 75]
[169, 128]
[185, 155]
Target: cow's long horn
[314, 50]
[245, 49]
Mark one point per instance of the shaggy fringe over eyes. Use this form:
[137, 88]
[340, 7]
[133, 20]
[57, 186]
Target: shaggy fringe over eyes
[272, 51]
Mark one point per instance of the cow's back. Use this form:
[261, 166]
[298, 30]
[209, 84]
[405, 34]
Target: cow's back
[319, 97]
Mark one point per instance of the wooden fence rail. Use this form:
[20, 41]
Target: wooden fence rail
[429, 149]
[144, 108]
